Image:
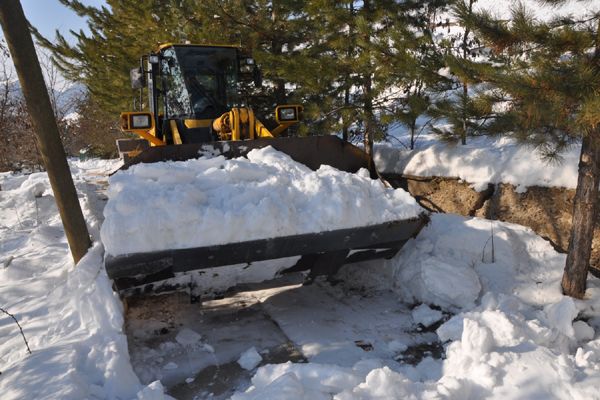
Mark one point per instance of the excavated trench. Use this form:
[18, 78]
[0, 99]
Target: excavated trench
[546, 210]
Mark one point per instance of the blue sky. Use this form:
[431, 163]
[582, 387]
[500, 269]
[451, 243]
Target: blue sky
[49, 15]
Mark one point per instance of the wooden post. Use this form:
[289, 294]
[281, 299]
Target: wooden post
[20, 45]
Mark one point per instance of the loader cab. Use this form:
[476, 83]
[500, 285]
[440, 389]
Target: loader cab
[190, 86]
[198, 82]
[195, 96]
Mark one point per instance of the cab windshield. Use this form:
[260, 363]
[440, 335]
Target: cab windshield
[199, 82]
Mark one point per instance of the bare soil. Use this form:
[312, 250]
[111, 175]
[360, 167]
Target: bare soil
[548, 211]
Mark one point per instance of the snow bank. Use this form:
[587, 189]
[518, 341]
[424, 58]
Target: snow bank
[212, 200]
[515, 337]
[70, 315]
[483, 160]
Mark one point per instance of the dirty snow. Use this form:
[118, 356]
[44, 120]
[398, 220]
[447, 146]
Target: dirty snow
[212, 200]
[425, 315]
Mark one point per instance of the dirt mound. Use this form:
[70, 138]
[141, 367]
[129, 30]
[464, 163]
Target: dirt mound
[548, 211]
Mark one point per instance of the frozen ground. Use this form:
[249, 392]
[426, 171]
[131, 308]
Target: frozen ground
[499, 324]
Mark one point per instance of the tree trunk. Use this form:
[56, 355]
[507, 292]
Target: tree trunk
[463, 134]
[277, 50]
[585, 210]
[368, 90]
[345, 122]
[348, 83]
[465, 54]
[28, 69]
[369, 117]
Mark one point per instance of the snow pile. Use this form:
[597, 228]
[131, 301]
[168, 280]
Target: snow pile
[212, 200]
[188, 337]
[514, 336]
[250, 359]
[516, 261]
[70, 316]
[480, 162]
[425, 315]
[72, 118]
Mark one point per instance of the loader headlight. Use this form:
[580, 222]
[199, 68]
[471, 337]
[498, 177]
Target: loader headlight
[288, 113]
[140, 121]
[136, 120]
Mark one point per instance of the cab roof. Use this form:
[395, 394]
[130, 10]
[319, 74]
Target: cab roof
[166, 45]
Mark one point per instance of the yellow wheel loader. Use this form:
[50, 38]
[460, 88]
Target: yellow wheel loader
[194, 102]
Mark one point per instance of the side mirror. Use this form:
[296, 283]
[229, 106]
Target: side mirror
[138, 79]
[257, 77]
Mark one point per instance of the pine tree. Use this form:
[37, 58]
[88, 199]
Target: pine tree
[331, 56]
[460, 106]
[412, 62]
[550, 85]
[322, 70]
[121, 33]
[269, 30]
[373, 64]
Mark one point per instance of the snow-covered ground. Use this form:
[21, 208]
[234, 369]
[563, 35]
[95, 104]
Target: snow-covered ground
[511, 333]
[481, 161]
[70, 315]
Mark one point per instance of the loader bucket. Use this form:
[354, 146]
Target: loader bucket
[312, 151]
[323, 253]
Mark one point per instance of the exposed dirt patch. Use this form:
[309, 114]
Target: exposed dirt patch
[415, 354]
[221, 381]
[432, 193]
[548, 211]
[204, 367]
